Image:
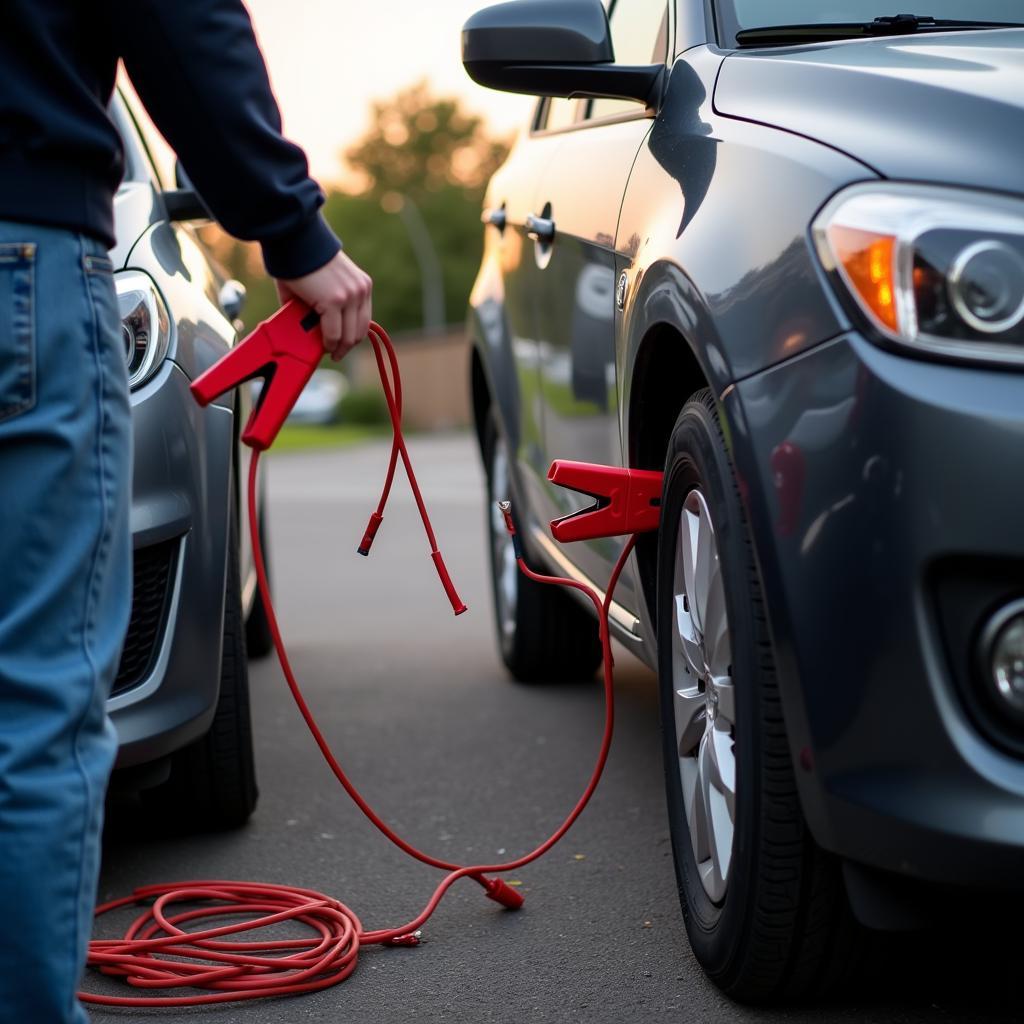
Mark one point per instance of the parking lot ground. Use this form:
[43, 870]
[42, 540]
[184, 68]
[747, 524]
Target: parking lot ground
[473, 767]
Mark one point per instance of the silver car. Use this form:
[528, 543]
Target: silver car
[180, 701]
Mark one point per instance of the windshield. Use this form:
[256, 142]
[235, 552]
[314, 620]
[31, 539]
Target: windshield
[736, 15]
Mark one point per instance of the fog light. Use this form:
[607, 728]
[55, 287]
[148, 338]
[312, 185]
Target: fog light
[1003, 653]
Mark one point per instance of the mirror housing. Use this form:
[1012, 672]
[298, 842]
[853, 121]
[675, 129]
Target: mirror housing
[184, 202]
[551, 48]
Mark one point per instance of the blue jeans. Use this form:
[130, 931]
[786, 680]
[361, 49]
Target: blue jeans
[65, 595]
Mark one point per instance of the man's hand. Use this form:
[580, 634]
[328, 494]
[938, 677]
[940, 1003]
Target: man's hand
[340, 292]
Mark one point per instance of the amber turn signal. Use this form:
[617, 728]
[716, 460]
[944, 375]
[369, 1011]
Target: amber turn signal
[866, 260]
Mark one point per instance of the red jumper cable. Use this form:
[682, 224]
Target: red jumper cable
[157, 953]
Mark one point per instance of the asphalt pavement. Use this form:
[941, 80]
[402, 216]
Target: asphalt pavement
[473, 767]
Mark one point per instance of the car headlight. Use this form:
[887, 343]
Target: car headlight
[936, 269]
[145, 324]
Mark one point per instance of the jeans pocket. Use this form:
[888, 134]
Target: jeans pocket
[17, 328]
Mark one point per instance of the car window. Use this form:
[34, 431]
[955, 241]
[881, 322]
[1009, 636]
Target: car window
[639, 36]
[560, 113]
[760, 13]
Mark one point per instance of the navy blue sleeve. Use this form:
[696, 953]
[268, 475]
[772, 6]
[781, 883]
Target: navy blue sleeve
[197, 67]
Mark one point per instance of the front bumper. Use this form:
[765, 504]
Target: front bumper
[873, 480]
[166, 691]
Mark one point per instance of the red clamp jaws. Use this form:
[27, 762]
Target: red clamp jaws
[285, 350]
[628, 500]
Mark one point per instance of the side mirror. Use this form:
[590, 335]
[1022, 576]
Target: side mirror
[551, 48]
[184, 202]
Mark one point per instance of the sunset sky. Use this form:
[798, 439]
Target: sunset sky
[329, 58]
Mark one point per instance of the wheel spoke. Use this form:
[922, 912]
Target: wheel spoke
[497, 519]
[707, 565]
[506, 572]
[689, 528]
[709, 766]
[704, 701]
[689, 776]
[690, 715]
[722, 755]
[726, 702]
[509, 574]
[720, 826]
[689, 642]
[705, 838]
[717, 647]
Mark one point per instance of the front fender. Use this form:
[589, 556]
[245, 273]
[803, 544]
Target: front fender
[720, 209]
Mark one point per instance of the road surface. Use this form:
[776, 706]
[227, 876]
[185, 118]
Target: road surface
[471, 766]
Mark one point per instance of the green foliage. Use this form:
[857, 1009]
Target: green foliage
[420, 143]
[303, 436]
[379, 242]
[363, 407]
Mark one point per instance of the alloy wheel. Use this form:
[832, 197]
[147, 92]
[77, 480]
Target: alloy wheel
[506, 571]
[704, 699]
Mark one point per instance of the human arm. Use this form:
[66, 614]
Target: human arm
[198, 69]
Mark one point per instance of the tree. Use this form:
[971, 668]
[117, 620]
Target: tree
[420, 144]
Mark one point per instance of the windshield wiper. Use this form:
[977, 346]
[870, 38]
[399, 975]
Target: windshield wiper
[899, 24]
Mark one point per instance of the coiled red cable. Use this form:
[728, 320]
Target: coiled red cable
[158, 954]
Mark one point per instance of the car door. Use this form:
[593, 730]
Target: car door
[573, 241]
[505, 298]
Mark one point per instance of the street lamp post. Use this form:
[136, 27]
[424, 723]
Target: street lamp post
[431, 275]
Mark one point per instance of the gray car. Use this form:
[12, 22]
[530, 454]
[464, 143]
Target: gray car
[776, 251]
[180, 701]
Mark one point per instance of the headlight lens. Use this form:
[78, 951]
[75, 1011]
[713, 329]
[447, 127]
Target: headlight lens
[936, 269]
[145, 324]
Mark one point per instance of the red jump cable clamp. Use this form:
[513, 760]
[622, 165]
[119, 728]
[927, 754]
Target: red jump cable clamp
[628, 501]
[285, 350]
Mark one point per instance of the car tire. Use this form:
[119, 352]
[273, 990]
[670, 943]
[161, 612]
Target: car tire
[212, 781]
[767, 918]
[259, 641]
[543, 635]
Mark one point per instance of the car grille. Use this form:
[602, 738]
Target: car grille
[151, 594]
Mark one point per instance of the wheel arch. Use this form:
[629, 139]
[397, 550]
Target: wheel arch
[666, 372]
[672, 349]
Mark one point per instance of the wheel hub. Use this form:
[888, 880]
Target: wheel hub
[704, 700]
[506, 571]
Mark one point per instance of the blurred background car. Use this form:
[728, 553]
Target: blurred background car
[180, 701]
[318, 403]
[776, 251]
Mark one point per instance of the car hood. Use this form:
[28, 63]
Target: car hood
[944, 108]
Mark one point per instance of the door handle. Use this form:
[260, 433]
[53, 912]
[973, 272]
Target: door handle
[496, 218]
[540, 229]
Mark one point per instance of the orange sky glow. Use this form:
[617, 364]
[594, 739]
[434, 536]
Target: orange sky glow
[329, 59]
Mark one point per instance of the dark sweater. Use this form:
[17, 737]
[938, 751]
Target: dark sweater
[196, 66]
